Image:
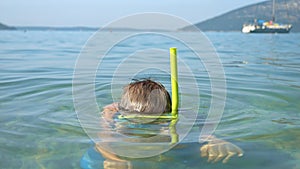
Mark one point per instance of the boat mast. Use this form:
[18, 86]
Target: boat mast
[273, 11]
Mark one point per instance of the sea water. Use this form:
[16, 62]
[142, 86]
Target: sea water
[39, 126]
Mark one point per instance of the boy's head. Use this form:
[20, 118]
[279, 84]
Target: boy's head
[145, 97]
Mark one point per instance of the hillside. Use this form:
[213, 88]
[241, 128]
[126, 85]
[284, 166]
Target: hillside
[287, 11]
[5, 27]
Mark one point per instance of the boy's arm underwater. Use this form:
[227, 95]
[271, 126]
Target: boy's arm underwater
[108, 113]
[111, 160]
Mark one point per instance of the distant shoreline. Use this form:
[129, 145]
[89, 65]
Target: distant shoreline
[50, 28]
[231, 21]
[82, 28]
[93, 29]
[5, 27]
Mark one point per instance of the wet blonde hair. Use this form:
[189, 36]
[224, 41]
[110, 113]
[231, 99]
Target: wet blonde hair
[145, 97]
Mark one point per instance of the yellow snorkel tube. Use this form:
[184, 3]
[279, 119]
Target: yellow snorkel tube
[174, 82]
[175, 96]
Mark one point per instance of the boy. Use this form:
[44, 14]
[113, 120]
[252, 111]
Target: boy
[147, 97]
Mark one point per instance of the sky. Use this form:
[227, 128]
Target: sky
[96, 13]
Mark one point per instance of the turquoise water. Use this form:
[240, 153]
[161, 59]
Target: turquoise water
[39, 126]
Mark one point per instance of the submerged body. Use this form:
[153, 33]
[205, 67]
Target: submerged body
[150, 98]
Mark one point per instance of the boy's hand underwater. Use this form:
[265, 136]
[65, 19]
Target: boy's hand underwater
[109, 111]
[217, 149]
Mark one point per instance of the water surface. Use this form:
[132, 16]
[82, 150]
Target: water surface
[39, 126]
